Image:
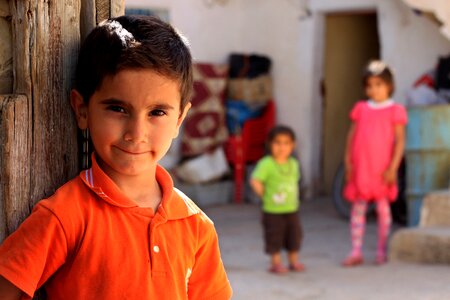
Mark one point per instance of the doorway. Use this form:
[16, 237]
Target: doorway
[351, 40]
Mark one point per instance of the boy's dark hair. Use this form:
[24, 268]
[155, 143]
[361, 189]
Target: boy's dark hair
[278, 130]
[379, 69]
[133, 42]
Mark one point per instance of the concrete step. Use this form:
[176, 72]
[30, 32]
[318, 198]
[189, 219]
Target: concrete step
[421, 245]
[436, 209]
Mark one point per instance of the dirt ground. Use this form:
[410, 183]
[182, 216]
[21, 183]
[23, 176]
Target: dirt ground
[325, 244]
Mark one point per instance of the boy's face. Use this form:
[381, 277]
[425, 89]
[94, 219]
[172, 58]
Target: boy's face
[132, 119]
[282, 146]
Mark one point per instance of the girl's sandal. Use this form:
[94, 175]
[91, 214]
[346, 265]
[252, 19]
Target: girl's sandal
[352, 261]
[278, 269]
[297, 267]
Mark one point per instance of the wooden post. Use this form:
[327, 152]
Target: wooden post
[40, 152]
[39, 144]
[14, 165]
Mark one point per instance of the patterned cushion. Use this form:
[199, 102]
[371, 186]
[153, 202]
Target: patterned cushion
[204, 127]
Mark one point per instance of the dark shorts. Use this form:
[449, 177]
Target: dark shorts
[282, 231]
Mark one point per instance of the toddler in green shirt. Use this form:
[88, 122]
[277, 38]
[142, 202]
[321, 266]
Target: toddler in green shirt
[275, 179]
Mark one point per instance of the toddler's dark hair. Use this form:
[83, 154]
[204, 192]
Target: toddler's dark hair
[276, 131]
[133, 42]
[379, 69]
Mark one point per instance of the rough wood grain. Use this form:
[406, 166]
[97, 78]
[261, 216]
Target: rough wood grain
[109, 8]
[88, 18]
[14, 164]
[46, 38]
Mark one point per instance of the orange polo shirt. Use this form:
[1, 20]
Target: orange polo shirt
[88, 241]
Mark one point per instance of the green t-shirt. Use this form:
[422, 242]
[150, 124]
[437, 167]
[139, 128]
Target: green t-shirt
[280, 184]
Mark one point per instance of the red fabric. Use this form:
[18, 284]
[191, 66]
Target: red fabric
[88, 241]
[249, 146]
[371, 151]
[204, 127]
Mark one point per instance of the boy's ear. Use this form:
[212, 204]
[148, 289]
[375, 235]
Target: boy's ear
[181, 118]
[80, 109]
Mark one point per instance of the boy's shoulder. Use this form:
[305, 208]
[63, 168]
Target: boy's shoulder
[67, 197]
[191, 208]
[266, 159]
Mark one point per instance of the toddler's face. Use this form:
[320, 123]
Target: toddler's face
[377, 89]
[282, 146]
[132, 119]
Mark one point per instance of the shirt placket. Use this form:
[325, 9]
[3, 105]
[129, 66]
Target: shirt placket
[156, 251]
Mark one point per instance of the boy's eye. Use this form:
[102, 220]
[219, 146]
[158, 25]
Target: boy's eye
[157, 113]
[116, 108]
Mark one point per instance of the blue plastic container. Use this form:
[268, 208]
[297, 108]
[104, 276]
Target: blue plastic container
[427, 155]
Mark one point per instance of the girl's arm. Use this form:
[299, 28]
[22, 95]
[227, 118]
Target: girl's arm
[257, 186]
[347, 156]
[390, 175]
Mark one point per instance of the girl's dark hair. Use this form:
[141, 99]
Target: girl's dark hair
[133, 42]
[379, 69]
[276, 131]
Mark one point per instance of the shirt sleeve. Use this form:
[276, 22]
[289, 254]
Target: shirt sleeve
[30, 255]
[400, 115]
[209, 279]
[355, 113]
[261, 171]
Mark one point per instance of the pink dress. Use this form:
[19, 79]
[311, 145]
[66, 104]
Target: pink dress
[372, 149]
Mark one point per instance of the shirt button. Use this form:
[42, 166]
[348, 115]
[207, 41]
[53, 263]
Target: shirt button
[156, 249]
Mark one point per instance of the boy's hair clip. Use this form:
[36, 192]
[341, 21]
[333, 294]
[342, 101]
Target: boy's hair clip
[124, 35]
[376, 67]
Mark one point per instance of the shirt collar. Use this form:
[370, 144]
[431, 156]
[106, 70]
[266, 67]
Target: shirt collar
[174, 204]
[377, 105]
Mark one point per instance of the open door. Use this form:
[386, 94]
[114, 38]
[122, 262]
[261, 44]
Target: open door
[351, 40]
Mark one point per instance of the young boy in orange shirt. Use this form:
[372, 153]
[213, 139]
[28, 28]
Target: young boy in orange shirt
[120, 230]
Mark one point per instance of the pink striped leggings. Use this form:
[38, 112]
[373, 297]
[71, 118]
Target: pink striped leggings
[358, 225]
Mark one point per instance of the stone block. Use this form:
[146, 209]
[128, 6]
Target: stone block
[421, 245]
[436, 210]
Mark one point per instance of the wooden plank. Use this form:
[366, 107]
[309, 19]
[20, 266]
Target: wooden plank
[46, 38]
[103, 10]
[109, 9]
[117, 8]
[87, 17]
[14, 166]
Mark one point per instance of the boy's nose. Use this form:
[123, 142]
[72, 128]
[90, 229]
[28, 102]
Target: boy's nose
[136, 130]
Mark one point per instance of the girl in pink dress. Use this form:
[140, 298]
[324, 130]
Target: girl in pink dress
[375, 145]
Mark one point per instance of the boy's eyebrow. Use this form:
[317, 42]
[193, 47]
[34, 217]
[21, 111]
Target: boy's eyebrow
[114, 101]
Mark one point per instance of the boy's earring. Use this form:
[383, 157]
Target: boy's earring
[85, 155]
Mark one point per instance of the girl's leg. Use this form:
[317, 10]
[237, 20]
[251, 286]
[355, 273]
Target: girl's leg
[357, 228]
[384, 227]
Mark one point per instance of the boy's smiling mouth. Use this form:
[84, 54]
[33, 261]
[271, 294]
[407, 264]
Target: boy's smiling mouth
[133, 152]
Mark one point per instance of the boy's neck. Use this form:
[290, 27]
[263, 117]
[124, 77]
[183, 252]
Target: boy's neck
[143, 190]
[280, 160]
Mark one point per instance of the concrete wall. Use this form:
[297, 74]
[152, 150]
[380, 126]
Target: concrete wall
[409, 43]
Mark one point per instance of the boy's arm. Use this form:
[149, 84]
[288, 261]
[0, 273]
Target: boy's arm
[390, 176]
[257, 186]
[208, 279]
[31, 254]
[9, 291]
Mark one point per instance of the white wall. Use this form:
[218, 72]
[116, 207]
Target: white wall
[409, 43]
